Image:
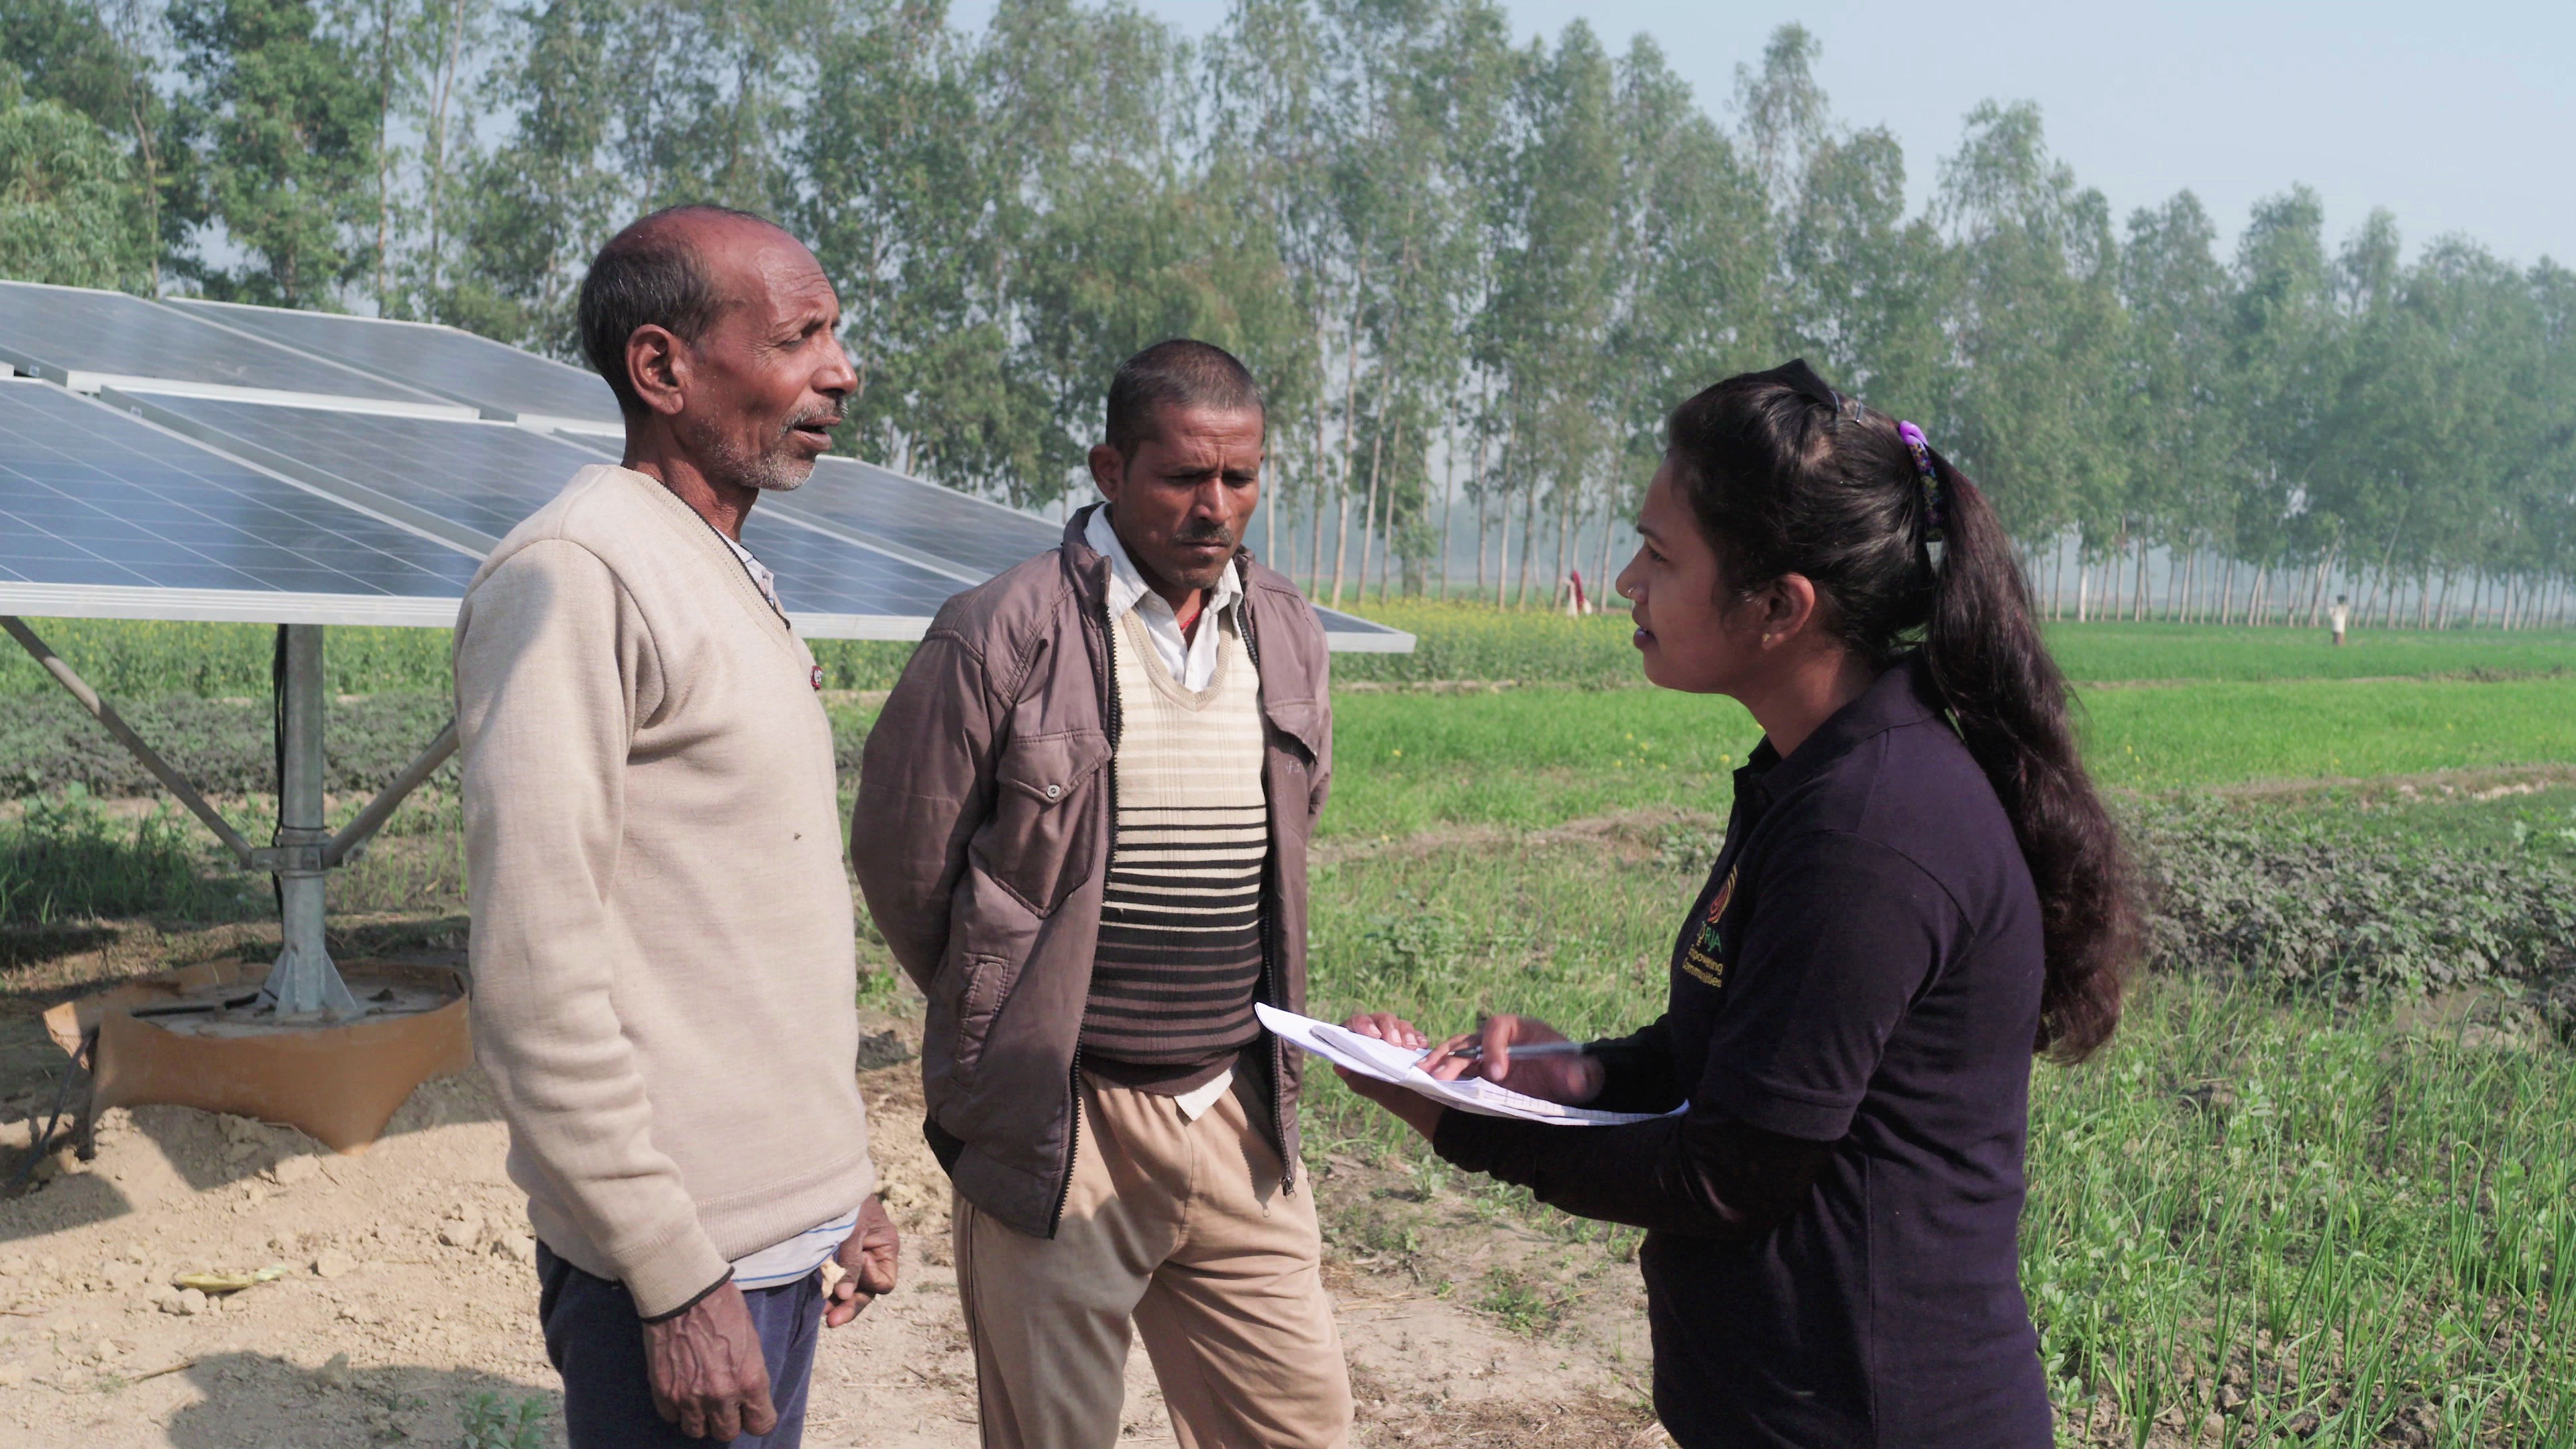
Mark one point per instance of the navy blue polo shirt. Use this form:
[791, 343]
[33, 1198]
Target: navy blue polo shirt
[1862, 969]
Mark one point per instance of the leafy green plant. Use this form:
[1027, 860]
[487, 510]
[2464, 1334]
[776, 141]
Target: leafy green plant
[490, 1421]
[223, 746]
[2314, 900]
[66, 857]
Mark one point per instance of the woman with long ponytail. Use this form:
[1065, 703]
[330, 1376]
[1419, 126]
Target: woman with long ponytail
[1918, 891]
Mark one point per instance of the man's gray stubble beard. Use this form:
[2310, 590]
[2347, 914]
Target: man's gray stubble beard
[726, 464]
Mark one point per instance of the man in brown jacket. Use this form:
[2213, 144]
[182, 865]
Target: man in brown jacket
[1082, 826]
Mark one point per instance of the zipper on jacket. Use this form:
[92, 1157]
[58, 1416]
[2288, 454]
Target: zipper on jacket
[1269, 956]
[1110, 723]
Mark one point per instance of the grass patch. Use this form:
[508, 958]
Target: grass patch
[2300, 1218]
[68, 858]
[1460, 640]
[133, 661]
[1528, 758]
[2229, 734]
[130, 660]
[2093, 651]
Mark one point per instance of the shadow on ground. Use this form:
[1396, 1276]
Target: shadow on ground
[257, 1401]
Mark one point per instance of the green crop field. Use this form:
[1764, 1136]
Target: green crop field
[1407, 762]
[2321, 1189]
[1457, 641]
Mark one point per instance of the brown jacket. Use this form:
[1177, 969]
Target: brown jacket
[981, 841]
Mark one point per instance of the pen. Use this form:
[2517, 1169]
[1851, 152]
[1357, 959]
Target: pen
[1475, 1052]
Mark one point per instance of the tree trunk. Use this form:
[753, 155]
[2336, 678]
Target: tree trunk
[1315, 501]
[1529, 545]
[1601, 586]
[1477, 481]
[384, 151]
[1350, 422]
[438, 144]
[1368, 512]
[1484, 521]
[1564, 534]
[1448, 503]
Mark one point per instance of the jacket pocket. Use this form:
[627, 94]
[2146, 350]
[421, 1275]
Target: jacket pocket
[988, 984]
[1043, 839]
[1303, 720]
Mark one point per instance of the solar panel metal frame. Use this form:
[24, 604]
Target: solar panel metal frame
[262, 606]
[333, 337]
[82, 353]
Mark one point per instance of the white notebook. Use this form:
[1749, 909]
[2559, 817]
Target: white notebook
[1386, 1062]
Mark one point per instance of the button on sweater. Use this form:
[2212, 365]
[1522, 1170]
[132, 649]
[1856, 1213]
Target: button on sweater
[664, 980]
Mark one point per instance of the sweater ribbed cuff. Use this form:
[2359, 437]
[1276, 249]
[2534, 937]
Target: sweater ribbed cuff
[671, 1275]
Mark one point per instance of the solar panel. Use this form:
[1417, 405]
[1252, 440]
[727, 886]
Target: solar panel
[972, 538]
[500, 380]
[971, 535]
[957, 530]
[79, 337]
[474, 481]
[97, 507]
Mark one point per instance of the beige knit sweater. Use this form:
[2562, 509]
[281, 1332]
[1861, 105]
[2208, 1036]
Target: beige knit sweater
[664, 983]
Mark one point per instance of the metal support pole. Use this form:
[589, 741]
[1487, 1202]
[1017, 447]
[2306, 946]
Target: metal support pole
[106, 714]
[304, 980]
[353, 837]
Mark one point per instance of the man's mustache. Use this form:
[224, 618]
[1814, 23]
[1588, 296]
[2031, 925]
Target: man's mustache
[825, 417]
[1213, 534]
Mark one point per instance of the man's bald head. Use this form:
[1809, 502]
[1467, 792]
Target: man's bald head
[656, 273]
[720, 335]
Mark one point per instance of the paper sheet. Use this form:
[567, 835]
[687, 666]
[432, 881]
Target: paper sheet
[1388, 1063]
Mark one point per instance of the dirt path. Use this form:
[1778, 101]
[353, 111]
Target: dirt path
[407, 1297]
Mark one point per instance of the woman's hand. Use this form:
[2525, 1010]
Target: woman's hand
[1415, 1110]
[1572, 1079]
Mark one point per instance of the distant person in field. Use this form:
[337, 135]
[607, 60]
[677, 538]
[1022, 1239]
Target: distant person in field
[1919, 888]
[664, 979]
[2339, 616]
[1082, 827]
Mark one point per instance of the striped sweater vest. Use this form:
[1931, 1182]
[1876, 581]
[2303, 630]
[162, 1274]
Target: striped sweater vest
[1180, 959]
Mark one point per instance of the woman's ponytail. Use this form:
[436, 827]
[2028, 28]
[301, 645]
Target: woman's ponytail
[1788, 476]
[2009, 702]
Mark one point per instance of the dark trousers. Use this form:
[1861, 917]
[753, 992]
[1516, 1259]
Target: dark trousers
[596, 1342]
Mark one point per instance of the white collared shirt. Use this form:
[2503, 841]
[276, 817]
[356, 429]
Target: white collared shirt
[1192, 660]
[1190, 657]
[759, 571]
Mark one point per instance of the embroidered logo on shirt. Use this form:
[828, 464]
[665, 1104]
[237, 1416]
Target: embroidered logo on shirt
[1706, 959]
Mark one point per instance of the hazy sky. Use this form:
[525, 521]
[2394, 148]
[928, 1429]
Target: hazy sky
[2457, 117]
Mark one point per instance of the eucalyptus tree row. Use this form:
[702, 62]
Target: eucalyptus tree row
[1472, 273]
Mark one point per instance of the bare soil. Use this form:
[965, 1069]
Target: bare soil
[404, 1308]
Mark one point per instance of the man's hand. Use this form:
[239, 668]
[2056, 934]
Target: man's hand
[868, 1259]
[1572, 1080]
[707, 1373]
[1415, 1110]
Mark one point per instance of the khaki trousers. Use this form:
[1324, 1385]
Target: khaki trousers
[1180, 1226]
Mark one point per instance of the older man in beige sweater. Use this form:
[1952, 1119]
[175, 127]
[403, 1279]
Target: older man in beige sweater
[662, 933]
